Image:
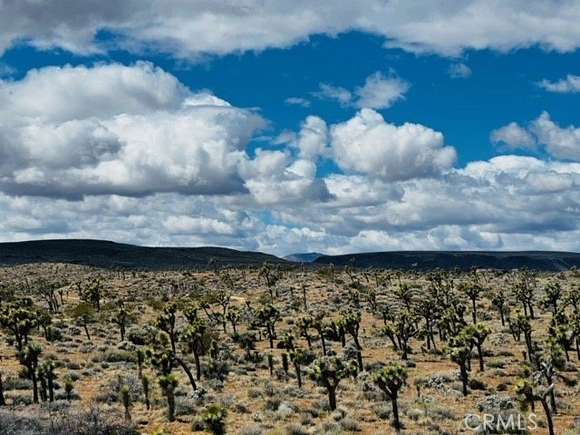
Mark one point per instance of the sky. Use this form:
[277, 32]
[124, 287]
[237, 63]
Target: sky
[291, 127]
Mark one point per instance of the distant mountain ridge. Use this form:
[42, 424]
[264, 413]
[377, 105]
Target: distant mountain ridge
[428, 260]
[101, 253]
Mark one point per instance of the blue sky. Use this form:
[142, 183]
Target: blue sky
[491, 161]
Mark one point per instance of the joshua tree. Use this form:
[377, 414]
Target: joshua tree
[390, 380]
[472, 291]
[405, 327]
[528, 393]
[499, 301]
[524, 292]
[522, 324]
[478, 333]
[193, 335]
[125, 397]
[299, 358]
[429, 308]
[122, 318]
[320, 326]
[460, 353]
[328, 371]
[19, 321]
[84, 315]
[93, 293]
[271, 276]
[166, 322]
[350, 322]
[47, 377]
[29, 359]
[267, 316]
[168, 384]
[164, 358]
[69, 386]
[214, 417]
[233, 316]
[553, 294]
[146, 390]
[548, 373]
[304, 323]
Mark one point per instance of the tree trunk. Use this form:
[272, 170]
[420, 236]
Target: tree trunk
[474, 311]
[197, 365]
[480, 355]
[34, 385]
[548, 416]
[332, 397]
[464, 379]
[298, 374]
[170, 394]
[187, 372]
[50, 388]
[531, 311]
[395, 406]
[2, 400]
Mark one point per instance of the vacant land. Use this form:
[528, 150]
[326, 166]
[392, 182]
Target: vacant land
[287, 350]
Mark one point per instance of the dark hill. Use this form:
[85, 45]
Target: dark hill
[427, 260]
[101, 253]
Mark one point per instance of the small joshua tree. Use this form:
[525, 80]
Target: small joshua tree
[528, 393]
[460, 352]
[19, 320]
[168, 384]
[478, 333]
[84, 314]
[146, 390]
[69, 386]
[29, 359]
[472, 291]
[233, 316]
[267, 316]
[193, 335]
[499, 301]
[553, 294]
[214, 417]
[299, 357]
[122, 318]
[405, 327]
[328, 372]
[166, 322]
[350, 323]
[47, 375]
[390, 380]
[126, 401]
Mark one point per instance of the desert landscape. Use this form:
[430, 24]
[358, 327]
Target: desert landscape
[287, 349]
[273, 217]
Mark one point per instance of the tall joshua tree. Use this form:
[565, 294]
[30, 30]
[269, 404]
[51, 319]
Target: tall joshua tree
[350, 323]
[29, 359]
[390, 380]
[328, 371]
[528, 393]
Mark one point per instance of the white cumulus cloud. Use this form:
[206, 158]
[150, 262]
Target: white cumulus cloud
[115, 129]
[368, 144]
